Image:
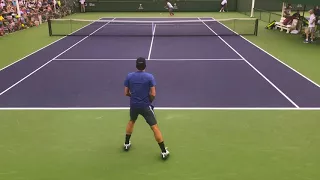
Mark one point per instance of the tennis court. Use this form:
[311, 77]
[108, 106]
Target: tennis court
[227, 109]
[191, 58]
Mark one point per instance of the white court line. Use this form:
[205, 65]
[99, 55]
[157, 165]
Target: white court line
[95, 59]
[196, 59]
[153, 32]
[155, 17]
[44, 47]
[283, 94]
[159, 24]
[149, 59]
[272, 56]
[167, 108]
[49, 61]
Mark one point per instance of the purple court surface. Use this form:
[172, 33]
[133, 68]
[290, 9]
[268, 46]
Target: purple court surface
[191, 71]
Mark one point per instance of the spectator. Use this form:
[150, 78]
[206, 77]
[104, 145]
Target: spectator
[311, 27]
[287, 11]
[1, 26]
[33, 13]
[2, 4]
[296, 15]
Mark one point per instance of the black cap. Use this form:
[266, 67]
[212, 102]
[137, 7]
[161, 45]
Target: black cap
[141, 63]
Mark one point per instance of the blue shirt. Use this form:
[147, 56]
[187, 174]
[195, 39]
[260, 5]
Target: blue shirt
[139, 84]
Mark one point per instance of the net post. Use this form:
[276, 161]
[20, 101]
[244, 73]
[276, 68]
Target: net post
[256, 27]
[49, 27]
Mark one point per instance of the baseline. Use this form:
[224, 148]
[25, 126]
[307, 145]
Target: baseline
[163, 108]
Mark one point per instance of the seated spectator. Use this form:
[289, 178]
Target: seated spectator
[296, 15]
[287, 11]
[289, 19]
[295, 22]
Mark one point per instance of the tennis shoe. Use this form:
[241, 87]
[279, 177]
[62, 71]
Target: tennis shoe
[165, 155]
[126, 147]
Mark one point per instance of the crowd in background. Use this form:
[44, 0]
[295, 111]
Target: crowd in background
[33, 13]
[296, 20]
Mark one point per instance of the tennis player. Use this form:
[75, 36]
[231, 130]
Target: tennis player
[223, 5]
[170, 7]
[140, 87]
[82, 5]
[311, 28]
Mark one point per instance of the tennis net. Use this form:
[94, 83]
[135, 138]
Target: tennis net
[200, 27]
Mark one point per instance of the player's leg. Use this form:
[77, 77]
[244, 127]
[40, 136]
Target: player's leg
[170, 11]
[130, 126]
[149, 116]
[307, 35]
[312, 32]
[222, 8]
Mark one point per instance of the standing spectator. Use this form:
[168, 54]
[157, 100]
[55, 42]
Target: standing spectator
[311, 28]
[82, 5]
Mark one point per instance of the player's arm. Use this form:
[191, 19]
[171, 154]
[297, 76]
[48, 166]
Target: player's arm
[152, 94]
[126, 87]
[127, 91]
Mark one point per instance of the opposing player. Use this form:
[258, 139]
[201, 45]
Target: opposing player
[311, 29]
[140, 87]
[223, 5]
[170, 7]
